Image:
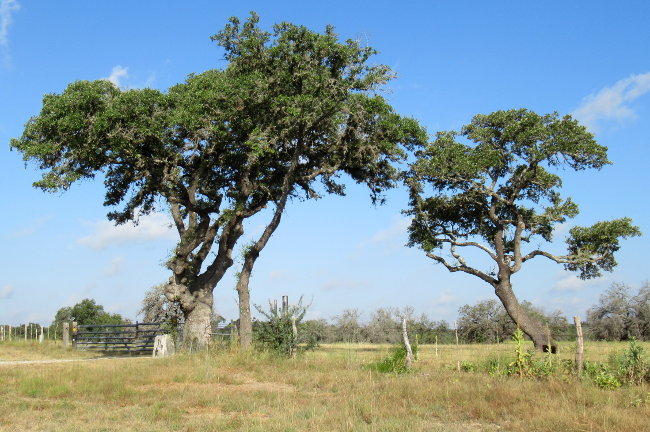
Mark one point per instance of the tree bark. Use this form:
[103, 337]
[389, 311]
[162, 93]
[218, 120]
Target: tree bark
[197, 329]
[528, 324]
[196, 304]
[245, 321]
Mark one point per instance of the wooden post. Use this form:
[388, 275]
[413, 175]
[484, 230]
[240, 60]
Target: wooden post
[457, 346]
[275, 307]
[9, 333]
[74, 334]
[579, 345]
[66, 334]
[436, 345]
[407, 344]
[40, 336]
[25, 332]
[294, 344]
[2, 331]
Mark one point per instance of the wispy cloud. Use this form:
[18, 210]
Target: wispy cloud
[29, 230]
[155, 226]
[6, 291]
[571, 282]
[115, 266]
[117, 74]
[7, 8]
[396, 231]
[613, 103]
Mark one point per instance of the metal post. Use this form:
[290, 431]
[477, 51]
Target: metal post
[74, 334]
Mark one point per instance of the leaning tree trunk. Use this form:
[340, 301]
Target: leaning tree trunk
[245, 321]
[528, 324]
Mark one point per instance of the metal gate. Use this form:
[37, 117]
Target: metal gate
[135, 338]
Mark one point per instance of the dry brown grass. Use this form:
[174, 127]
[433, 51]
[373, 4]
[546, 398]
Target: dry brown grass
[326, 390]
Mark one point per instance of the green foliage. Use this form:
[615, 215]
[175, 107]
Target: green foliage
[522, 364]
[276, 332]
[495, 187]
[599, 240]
[87, 312]
[395, 362]
[630, 366]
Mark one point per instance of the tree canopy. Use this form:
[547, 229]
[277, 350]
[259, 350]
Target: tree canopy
[86, 312]
[498, 190]
[292, 109]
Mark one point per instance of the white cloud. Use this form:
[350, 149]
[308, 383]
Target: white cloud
[117, 74]
[396, 230]
[6, 292]
[7, 7]
[443, 299]
[613, 102]
[155, 226]
[115, 266]
[571, 282]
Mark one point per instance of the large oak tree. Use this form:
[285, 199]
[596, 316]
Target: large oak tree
[497, 191]
[291, 110]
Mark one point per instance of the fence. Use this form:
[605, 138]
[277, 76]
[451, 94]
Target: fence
[135, 338]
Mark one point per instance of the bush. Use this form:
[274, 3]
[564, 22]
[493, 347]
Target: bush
[276, 333]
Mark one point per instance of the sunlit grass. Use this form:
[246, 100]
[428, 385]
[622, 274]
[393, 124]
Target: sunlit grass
[325, 390]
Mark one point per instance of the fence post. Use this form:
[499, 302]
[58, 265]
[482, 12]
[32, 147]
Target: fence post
[579, 345]
[40, 336]
[3, 333]
[66, 334]
[294, 344]
[74, 334]
[25, 332]
[409, 352]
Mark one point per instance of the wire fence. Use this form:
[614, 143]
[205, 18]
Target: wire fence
[443, 345]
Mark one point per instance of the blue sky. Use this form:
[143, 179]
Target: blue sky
[453, 60]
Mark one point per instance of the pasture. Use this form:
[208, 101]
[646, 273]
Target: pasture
[329, 389]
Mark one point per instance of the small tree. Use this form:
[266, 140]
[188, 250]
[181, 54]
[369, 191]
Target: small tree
[87, 311]
[620, 315]
[498, 192]
[156, 307]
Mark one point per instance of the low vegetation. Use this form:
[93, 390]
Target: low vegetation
[331, 388]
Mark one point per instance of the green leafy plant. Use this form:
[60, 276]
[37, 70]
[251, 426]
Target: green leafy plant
[276, 334]
[631, 366]
[522, 364]
[396, 361]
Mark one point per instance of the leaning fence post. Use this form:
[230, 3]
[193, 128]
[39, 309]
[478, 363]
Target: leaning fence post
[409, 352]
[579, 345]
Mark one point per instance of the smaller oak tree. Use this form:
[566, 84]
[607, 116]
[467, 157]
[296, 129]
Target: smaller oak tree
[498, 191]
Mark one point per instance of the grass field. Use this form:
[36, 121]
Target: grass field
[329, 389]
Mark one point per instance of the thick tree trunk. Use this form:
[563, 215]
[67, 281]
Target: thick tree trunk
[245, 322]
[196, 304]
[528, 324]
